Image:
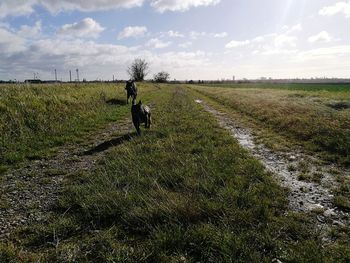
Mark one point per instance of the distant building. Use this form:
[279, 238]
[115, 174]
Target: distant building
[32, 81]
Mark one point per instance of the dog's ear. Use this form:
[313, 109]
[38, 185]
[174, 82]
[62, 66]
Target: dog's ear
[140, 102]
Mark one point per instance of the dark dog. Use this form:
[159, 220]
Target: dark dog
[131, 91]
[141, 114]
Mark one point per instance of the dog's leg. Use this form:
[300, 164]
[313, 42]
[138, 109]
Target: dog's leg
[149, 121]
[138, 130]
[137, 127]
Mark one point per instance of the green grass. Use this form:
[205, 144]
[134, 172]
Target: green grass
[289, 86]
[34, 119]
[183, 192]
[301, 114]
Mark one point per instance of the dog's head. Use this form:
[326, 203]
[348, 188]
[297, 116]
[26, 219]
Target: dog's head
[136, 108]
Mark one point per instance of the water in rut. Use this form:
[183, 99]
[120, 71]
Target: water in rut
[304, 196]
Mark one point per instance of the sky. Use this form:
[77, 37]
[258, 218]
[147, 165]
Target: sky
[190, 39]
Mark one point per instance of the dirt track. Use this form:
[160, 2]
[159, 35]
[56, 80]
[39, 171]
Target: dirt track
[304, 196]
[30, 191]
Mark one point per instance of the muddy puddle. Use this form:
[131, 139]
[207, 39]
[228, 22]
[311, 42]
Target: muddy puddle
[304, 196]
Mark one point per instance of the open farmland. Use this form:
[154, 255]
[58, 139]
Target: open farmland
[36, 118]
[316, 116]
[187, 190]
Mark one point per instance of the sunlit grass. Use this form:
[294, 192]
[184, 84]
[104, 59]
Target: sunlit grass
[301, 115]
[36, 118]
[183, 192]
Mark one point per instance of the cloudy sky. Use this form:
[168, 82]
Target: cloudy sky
[191, 39]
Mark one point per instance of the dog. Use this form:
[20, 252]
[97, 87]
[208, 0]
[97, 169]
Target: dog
[140, 114]
[131, 91]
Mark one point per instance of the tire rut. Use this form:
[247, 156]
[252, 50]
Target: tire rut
[28, 193]
[304, 196]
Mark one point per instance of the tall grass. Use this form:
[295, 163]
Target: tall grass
[34, 118]
[311, 87]
[302, 116]
[183, 192]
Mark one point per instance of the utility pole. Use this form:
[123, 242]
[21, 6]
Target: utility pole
[113, 78]
[55, 75]
[77, 74]
[70, 76]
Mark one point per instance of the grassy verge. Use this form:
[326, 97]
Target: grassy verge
[301, 116]
[310, 87]
[36, 118]
[183, 192]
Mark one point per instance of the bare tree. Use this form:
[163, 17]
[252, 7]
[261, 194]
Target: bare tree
[161, 77]
[138, 69]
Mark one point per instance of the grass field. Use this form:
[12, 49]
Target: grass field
[185, 191]
[35, 118]
[311, 87]
[316, 116]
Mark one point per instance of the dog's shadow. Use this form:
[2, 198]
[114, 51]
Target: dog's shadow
[111, 143]
[120, 140]
[116, 102]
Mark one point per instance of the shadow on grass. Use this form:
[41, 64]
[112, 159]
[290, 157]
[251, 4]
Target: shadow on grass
[111, 143]
[342, 105]
[120, 140]
[116, 102]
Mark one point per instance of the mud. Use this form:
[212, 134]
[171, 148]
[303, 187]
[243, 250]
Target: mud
[304, 196]
[28, 193]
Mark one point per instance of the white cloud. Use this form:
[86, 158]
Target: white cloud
[186, 44]
[220, 35]
[85, 28]
[55, 6]
[156, 43]
[30, 31]
[181, 60]
[276, 51]
[132, 31]
[10, 42]
[283, 43]
[180, 5]
[25, 7]
[287, 38]
[195, 34]
[260, 39]
[235, 44]
[94, 60]
[338, 8]
[295, 28]
[172, 33]
[16, 7]
[19, 57]
[330, 53]
[5, 25]
[284, 40]
[322, 37]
